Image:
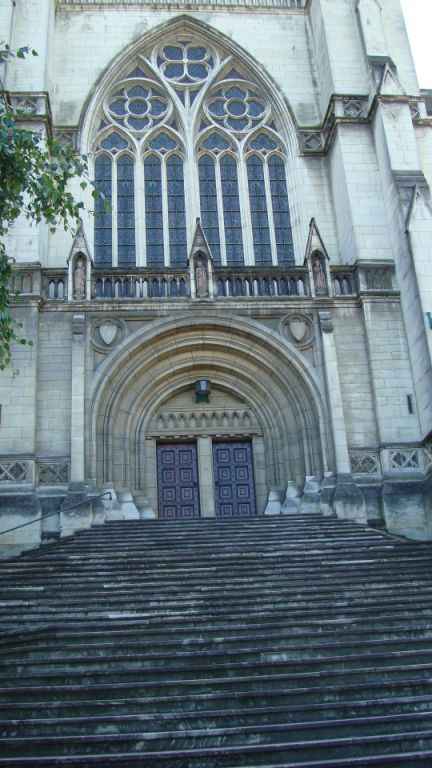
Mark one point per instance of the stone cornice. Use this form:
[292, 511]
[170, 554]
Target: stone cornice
[354, 109]
[291, 6]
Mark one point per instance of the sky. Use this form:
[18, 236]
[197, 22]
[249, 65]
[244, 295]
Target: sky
[418, 17]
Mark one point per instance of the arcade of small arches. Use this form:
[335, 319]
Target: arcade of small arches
[186, 131]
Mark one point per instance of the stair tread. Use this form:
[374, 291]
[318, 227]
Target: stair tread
[235, 643]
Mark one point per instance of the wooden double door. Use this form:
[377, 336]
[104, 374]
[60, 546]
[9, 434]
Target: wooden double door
[178, 481]
[233, 479]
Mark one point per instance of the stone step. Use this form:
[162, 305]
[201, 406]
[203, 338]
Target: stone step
[233, 601]
[307, 535]
[31, 598]
[355, 567]
[122, 624]
[273, 748]
[256, 646]
[265, 613]
[326, 582]
[88, 643]
[263, 662]
[128, 701]
[209, 680]
[353, 715]
[402, 760]
[295, 641]
[140, 565]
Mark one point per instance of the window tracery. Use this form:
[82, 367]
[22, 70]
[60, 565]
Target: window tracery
[237, 108]
[163, 156]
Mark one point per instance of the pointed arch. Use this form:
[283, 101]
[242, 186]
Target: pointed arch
[119, 66]
[286, 398]
[236, 98]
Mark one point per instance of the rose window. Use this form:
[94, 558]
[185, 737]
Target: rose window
[138, 108]
[185, 64]
[238, 109]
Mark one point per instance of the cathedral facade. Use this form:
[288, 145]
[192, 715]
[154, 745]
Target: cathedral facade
[243, 324]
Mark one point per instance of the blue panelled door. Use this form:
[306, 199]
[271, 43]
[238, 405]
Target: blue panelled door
[234, 482]
[178, 481]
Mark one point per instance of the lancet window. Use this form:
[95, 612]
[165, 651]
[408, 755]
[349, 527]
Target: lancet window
[184, 134]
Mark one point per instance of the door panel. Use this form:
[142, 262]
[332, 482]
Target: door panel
[234, 481]
[178, 481]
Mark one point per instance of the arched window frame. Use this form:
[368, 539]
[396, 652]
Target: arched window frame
[234, 152]
[114, 156]
[147, 151]
[265, 157]
[192, 126]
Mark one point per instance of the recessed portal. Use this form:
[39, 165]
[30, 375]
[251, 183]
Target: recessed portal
[178, 481]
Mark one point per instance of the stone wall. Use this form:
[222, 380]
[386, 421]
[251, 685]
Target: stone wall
[54, 384]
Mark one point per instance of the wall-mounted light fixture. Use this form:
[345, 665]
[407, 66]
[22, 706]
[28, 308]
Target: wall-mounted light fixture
[202, 391]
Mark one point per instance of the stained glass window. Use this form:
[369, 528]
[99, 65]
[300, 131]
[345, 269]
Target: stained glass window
[114, 142]
[238, 109]
[281, 213]
[209, 206]
[138, 108]
[258, 208]
[231, 211]
[125, 211]
[176, 211]
[153, 208]
[239, 162]
[185, 63]
[103, 217]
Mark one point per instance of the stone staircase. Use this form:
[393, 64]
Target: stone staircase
[277, 642]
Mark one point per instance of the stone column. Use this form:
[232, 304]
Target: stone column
[334, 392]
[261, 491]
[150, 474]
[205, 475]
[78, 399]
[348, 501]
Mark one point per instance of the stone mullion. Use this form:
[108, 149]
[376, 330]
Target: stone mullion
[165, 214]
[114, 213]
[191, 191]
[205, 474]
[269, 203]
[248, 246]
[220, 207]
[140, 219]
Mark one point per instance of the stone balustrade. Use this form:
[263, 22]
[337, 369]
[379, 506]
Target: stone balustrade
[274, 282]
[141, 283]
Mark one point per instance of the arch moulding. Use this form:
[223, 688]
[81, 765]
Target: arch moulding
[238, 356]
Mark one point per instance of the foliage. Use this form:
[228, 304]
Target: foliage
[35, 175]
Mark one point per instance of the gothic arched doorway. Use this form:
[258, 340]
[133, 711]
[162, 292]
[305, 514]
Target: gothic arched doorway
[262, 393]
